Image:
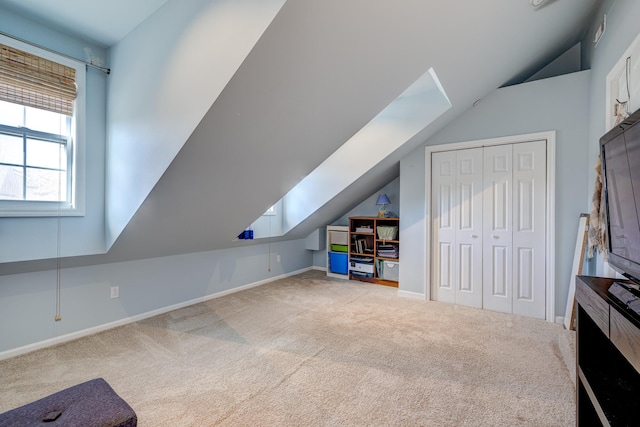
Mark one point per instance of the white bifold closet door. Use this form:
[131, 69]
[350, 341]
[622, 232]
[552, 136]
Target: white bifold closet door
[488, 211]
[457, 183]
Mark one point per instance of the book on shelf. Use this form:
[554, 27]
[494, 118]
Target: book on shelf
[362, 246]
[364, 229]
[388, 251]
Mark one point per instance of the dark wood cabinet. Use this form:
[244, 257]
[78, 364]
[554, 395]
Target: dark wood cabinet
[608, 357]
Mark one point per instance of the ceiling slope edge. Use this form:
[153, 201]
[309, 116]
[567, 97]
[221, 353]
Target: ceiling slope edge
[412, 111]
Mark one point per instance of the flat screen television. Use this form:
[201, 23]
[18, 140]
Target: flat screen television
[620, 154]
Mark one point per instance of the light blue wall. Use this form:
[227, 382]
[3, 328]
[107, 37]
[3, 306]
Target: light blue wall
[27, 301]
[568, 62]
[368, 206]
[560, 104]
[35, 238]
[412, 223]
[622, 28]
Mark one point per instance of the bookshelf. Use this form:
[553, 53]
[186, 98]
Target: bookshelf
[374, 250]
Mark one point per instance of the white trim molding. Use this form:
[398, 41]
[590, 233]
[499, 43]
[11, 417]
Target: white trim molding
[409, 294]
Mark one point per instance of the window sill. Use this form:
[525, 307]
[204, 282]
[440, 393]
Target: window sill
[43, 210]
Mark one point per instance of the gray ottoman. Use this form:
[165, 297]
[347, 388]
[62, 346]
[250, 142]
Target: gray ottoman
[90, 404]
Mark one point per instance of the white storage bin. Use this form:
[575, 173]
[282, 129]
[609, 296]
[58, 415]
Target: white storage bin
[364, 268]
[390, 270]
[338, 238]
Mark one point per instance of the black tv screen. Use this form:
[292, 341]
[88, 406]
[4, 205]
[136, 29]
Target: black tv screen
[620, 151]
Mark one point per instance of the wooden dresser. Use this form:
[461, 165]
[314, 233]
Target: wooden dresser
[608, 357]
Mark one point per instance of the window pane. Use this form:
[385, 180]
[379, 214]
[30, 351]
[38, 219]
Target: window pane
[46, 154]
[10, 183]
[11, 149]
[46, 185]
[46, 121]
[11, 114]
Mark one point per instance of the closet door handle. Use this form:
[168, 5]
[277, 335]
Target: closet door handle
[495, 236]
[474, 236]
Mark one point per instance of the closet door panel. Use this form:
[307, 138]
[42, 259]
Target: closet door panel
[498, 220]
[469, 186]
[500, 271]
[529, 230]
[443, 212]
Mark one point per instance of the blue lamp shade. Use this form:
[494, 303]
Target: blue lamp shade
[383, 199]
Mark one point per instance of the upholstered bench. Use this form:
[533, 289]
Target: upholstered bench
[90, 404]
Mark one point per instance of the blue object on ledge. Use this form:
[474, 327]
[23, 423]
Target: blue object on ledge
[246, 235]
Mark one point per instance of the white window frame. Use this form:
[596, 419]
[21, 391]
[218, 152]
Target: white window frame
[75, 206]
[272, 211]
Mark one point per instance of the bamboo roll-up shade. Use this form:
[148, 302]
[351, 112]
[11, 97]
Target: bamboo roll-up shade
[33, 81]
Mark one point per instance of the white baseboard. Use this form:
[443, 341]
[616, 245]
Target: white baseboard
[94, 330]
[408, 294]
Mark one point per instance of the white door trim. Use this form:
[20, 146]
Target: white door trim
[550, 137]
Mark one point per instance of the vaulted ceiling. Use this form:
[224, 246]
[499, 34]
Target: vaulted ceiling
[320, 72]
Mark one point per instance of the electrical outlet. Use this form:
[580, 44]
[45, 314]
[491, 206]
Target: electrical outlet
[277, 258]
[115, 292]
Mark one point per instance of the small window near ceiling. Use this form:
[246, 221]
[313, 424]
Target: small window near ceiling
[41, 118]
[271, 211]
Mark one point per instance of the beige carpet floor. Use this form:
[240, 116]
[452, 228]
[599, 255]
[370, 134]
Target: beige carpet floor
[311, 351]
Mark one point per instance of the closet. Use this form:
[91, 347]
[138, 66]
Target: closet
[488, 211]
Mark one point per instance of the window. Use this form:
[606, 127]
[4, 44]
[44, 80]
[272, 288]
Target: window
[41, 123]
[271, 211]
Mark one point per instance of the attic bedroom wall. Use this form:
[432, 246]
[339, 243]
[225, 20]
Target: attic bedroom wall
[558, 103]
[573, 105]
[147, 287]
[35, 238]
[621, 31]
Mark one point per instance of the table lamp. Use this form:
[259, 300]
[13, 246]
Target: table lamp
[383, 200]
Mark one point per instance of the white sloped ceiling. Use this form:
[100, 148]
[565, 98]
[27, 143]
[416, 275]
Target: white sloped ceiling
[319, 73]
